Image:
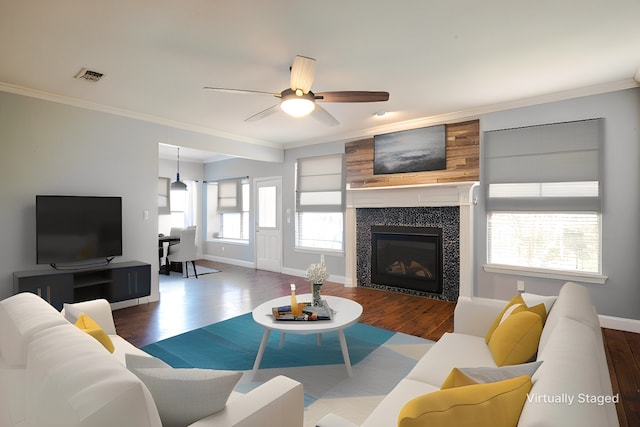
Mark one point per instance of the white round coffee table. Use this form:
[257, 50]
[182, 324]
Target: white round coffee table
[346, 313]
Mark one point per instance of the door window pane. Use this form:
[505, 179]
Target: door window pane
[267, 207]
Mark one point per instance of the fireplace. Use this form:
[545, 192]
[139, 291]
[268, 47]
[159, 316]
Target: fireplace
[407, 257]
[434, 230]
[447, 206]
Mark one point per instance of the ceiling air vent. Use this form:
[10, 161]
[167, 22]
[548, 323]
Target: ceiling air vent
[90, 75]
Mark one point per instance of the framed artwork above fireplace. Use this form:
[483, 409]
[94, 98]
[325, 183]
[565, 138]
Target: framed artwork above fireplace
[414, 150]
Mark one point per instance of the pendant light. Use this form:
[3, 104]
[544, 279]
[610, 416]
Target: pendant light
[178, 185]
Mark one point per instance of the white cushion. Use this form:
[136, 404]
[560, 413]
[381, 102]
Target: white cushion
[333, 420]
[136, 361]
[568, 373]
[386, 413]
[71, 312]
[534, 299]
[73, 381]
[12, 395]
[98, 309]
[184, 396]
[123, 348]
[574, 301]
[21, 317]
[451, 351]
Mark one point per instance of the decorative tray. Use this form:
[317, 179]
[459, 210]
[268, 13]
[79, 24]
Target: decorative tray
[309, 312]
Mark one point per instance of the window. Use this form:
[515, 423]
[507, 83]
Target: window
[543, 196]
[183, 206]
[319, 230]
[228, 205]
[567, 241]
[320, 203]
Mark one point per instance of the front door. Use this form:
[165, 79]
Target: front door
[268, 236]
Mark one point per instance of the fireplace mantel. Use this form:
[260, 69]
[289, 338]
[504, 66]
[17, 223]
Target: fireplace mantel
[461, 194]
[447, 194]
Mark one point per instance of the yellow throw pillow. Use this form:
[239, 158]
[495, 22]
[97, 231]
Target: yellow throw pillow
[457, 378]
[517, 299]
[516, 339]
[540, 310]
[90, 326]
[513, 306]
[497, 404]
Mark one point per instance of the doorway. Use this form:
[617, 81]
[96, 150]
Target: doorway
[268, 227]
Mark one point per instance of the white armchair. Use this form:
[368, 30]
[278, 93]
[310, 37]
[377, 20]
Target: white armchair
[185, 251]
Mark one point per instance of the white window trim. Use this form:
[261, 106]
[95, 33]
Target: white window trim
[598, 279]
[239, 242]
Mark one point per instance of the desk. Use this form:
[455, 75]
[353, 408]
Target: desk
[169, 240]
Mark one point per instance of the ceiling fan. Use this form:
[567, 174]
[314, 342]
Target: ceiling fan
[298, 100]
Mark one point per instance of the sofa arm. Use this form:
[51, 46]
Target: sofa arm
[333, 420]
[278, 402]
[474, 316]
[100, 311]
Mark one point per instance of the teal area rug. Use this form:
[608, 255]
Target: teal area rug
[233, 345]
[379, 358]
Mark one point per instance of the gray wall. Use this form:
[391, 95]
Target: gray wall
[50, 148]
[293, 260]
[620, 295]
[191, 171]
[53, 148]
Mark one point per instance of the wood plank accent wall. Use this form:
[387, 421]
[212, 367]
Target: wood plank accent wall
[463, 161]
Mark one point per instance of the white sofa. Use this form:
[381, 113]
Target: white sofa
[572, 386]
[52, 374]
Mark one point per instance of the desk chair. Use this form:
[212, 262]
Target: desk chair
[185, 251]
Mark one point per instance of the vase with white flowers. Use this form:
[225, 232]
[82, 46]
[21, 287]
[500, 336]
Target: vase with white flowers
[316, 275]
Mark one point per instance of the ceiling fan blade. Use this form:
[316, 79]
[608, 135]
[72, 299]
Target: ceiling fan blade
[324, 116]
[352, 96]
[241, 91]
[264, 113]
[303, 72]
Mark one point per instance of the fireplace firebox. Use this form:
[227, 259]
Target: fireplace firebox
[407, 257]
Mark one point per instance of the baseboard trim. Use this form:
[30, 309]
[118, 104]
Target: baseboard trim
[303, 273]
[232, 261]
[620, 323]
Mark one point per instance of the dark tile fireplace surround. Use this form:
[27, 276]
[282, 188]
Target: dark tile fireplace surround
[413, 225]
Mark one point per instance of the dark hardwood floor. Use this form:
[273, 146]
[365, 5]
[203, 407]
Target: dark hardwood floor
[189, 304]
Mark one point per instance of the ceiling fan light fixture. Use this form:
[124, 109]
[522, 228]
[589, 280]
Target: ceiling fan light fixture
[303, 72]
[297, 106]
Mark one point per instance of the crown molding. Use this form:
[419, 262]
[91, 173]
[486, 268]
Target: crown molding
[74, 102]
[452, 117]
[476, 112]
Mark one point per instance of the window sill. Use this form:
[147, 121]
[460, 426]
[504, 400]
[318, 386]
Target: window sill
[546, 274]
[318, 250]
[231, 241]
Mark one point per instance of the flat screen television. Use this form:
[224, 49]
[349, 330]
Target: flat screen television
[76, 229]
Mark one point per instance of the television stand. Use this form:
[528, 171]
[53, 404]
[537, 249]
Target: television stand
[114, 282]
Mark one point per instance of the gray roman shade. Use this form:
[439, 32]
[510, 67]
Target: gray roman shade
[230, 195]
[554, 167]
[320, 184]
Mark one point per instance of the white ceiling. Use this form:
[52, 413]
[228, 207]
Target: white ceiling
[438, 59]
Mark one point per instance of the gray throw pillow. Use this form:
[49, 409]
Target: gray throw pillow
[134, 361]
[183, 395]
[490, 375]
